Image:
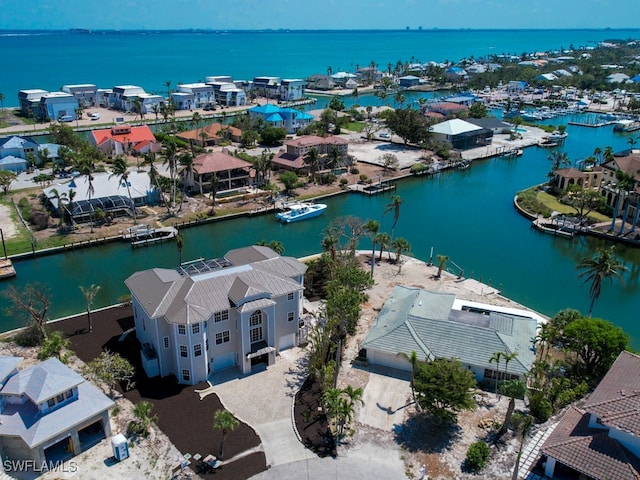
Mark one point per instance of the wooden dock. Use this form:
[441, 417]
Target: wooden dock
[371, 189]
[6, 268]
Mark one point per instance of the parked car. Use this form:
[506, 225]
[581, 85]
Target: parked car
[94, 116]
[66, 118]
[384, 135]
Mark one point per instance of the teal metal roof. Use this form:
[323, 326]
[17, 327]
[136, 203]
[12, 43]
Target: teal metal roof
[422, 321]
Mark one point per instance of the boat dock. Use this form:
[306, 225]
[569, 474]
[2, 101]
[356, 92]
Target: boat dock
[6, 268]
[592, 124]
[372, 188]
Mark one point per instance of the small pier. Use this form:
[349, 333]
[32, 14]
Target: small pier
[592, 124]
[372, 188]
[6, 268]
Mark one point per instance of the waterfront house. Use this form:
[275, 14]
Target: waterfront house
[49, 413]
[437, 325]
[292, 89]
[13, 164]
[319, 81]
[228, 172]
[516, 87]
[202, 94]
[240, 310]
[18, 146]
[293, 157]
[446, 108]
[340, 79]
[86, 94]
[122, 96]
[268, 87]
[491, 123]
[461, 135]
[228, 94]
[456, 74]
[624, 203]
[600, 439]
[57, 105]
[290, 119]
[109, 194]
[183, 100]
[564, 177]
[124, 138]
[408, 81]
[29, 101]
[211, 134]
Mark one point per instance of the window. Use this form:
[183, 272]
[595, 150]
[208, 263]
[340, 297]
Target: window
[183, 351]
[182, 329]
[221, 316]
[60, 398]
[197, 350]
[222, 337]
[206, 323]
[51, 402]
[69, 393]
[255, 327]
[290, 296]
[206, 343]
[186, 375]
[165, 342]
[195, 328]
[290, 316]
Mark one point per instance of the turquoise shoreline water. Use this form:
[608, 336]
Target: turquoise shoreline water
[467, 215]
[49, 60]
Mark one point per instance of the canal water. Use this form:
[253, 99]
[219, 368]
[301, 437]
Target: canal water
[467, 215]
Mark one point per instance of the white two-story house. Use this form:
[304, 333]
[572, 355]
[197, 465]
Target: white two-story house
[240, 310]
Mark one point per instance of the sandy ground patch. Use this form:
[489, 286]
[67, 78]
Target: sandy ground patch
[7, 224]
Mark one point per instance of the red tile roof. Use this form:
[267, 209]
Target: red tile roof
[133, 136]
[214, 162]
[289, 160]
[212, 131]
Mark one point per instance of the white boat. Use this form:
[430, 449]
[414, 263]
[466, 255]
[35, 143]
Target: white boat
[144, 235]
[300, 211]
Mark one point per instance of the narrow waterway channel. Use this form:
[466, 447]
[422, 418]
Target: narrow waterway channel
[465, 214]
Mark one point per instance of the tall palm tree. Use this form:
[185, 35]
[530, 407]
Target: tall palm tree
[89, 294]
[496, 357]
[383, 239]
[155, 108]
[442, 262]
[507, 358]
[196, 118]
[180, 246]
[604, 265]
[512, 389]
[120, 169]
[224, 421]
[394, 206]
[154, 175]
[170, 155]
[372, 227]
[400, 246]
[2, 102]
[312, 159]
[60, 208]
[330, 242]
[86, 167]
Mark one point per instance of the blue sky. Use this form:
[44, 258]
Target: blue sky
[314, 14]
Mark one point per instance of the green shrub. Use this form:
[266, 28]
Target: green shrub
[343, 182]
[540, 407]
[477, 456]
[363, 178]
[354, 170]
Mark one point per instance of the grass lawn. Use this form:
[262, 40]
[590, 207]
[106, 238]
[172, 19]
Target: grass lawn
[553, 204]
[355, 126]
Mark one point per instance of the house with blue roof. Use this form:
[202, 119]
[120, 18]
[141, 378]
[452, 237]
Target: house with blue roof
[290, 119]
[437, 325]
[48, 412]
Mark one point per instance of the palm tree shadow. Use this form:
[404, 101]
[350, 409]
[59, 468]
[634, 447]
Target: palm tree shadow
[424, 433]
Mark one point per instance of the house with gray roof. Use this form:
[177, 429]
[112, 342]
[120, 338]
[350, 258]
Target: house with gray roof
[205, 316]
[600, 440]
[48, 412]
[437, 325]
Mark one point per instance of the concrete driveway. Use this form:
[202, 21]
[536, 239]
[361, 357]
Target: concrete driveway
[385, 398]
[264, 401]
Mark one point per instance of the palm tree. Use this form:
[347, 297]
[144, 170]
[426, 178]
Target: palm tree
[154, 175]
[224, 421]
[512, 389]
[399, 98]
[330, 242]
[442, 262]
[400, 246]
[60, 208]
[394, 206]
[507, 358]
[120, 169]
[180, 246]
[312, 159]
[142, 412]
[155, 108]
[2, 102]
[558, 160]
[89, 294]
[196, 118]
[383, 239]
[372, 227]
[87, 167]
[603, 266]
[496, 357]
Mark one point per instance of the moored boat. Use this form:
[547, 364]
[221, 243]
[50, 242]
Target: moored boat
[300, 211]
[143, 234]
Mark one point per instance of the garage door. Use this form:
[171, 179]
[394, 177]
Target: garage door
[287, 341]
[388, 360]
[224, 361]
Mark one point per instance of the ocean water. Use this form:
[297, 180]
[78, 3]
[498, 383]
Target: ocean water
[49, 60]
